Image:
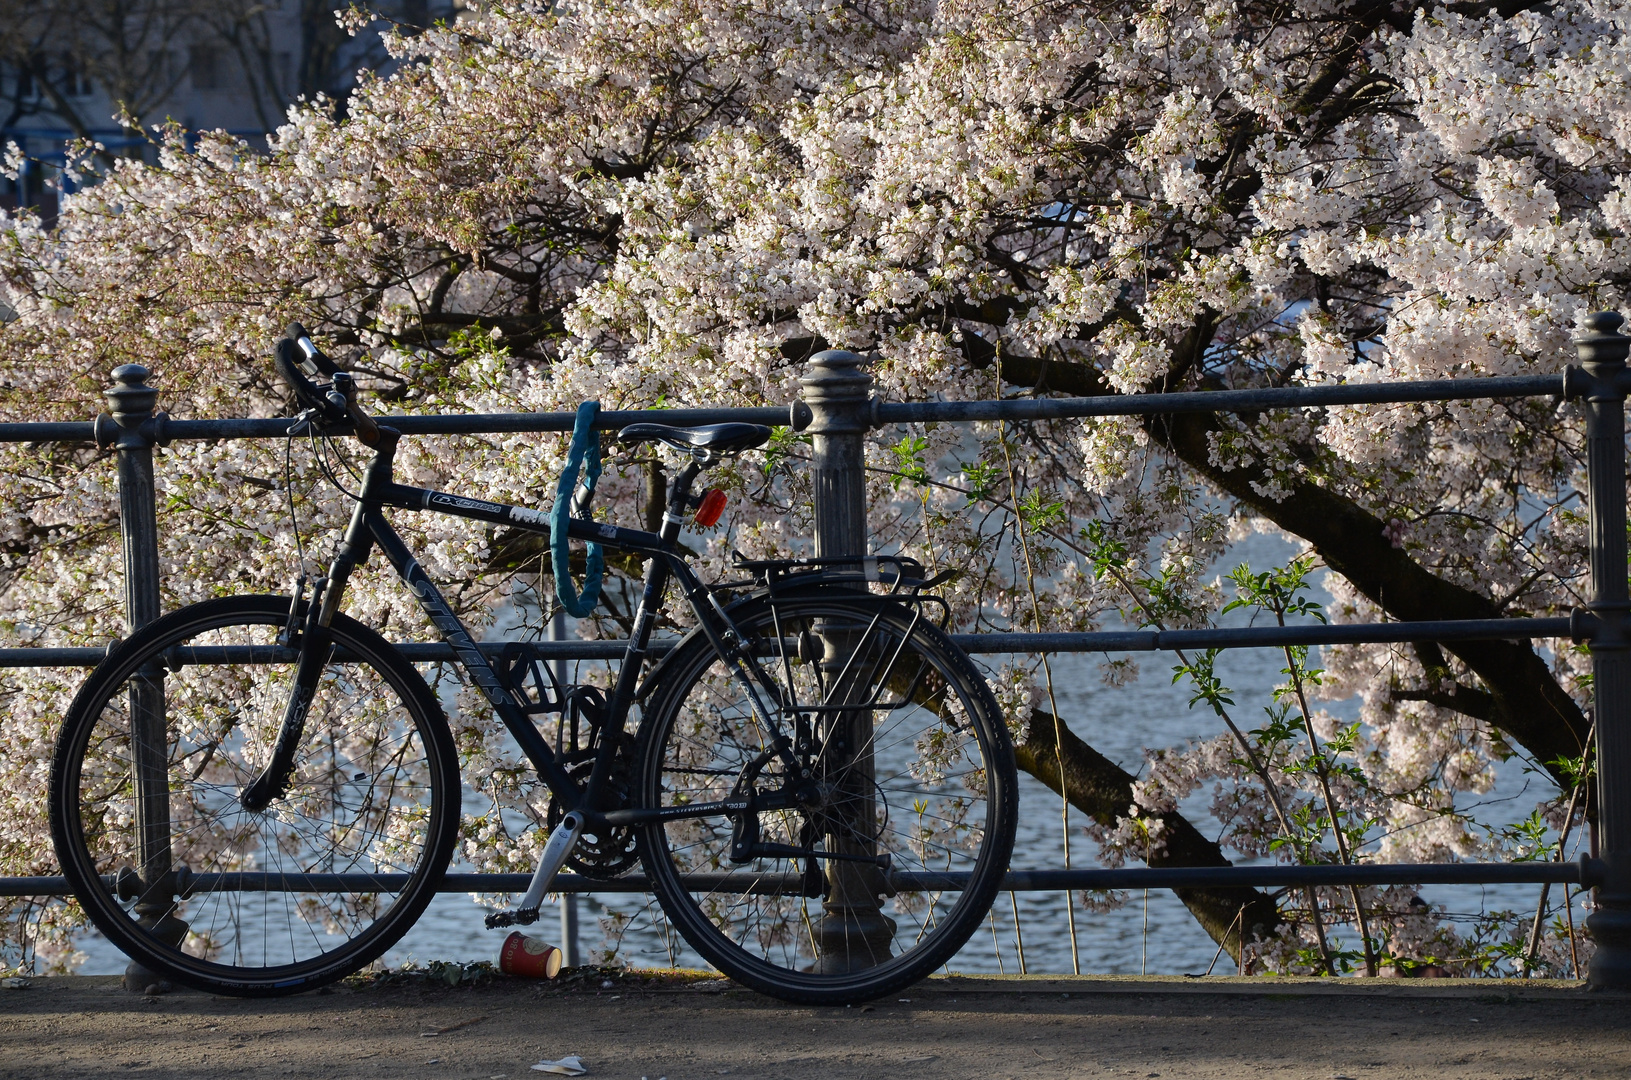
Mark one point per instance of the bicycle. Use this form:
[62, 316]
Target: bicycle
[259, 795]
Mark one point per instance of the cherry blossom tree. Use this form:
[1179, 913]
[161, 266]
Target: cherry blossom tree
[677, 202]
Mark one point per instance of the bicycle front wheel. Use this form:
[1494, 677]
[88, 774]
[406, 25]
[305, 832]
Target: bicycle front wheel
[868, 862]
[151, 833]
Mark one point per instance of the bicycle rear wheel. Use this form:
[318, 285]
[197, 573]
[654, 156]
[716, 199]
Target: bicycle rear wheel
[900, 752]
[186, 880]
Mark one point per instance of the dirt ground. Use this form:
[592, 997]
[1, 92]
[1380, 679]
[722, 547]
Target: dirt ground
[634, 1027]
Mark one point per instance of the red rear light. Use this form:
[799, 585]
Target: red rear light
[713, 504]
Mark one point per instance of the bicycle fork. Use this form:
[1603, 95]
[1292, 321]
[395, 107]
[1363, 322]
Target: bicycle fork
[315, 653]
[316, 647]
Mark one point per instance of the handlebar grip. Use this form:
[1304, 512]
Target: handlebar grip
[286, 358]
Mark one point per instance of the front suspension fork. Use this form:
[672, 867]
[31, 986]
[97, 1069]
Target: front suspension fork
[316, 649]
[316, 646]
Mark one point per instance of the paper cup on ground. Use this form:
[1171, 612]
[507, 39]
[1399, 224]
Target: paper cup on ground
[529, 957]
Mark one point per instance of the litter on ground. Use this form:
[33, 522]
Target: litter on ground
[570, 1065]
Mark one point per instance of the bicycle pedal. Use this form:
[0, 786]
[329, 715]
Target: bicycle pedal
[522, 917]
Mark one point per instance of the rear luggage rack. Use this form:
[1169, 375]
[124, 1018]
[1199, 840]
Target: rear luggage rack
[901, 573]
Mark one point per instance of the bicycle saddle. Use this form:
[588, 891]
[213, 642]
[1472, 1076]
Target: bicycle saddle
[720, 438]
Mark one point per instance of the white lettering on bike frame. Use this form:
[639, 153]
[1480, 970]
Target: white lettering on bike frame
[437, 610]
[459, 502]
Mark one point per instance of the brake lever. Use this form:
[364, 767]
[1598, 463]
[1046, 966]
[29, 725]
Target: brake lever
[316, 419]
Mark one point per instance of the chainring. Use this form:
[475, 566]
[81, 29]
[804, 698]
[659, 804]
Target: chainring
[614, 850]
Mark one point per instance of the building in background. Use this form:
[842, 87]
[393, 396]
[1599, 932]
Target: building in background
[68, 68]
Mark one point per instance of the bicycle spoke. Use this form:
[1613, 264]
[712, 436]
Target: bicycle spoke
[363, 797]
[898, 748]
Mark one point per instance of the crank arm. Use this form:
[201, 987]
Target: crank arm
[561, 843]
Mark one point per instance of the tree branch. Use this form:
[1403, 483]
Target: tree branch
[1523, 699]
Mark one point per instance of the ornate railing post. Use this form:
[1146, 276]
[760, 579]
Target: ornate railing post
[131, 432]
[1603, 352]
[853, 932]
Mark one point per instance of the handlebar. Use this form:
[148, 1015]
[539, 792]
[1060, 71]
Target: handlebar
[335, 402]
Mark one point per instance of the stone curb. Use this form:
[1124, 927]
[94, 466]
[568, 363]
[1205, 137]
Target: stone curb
[1068, 985]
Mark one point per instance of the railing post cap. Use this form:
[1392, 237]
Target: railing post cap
[835, 374]
[837, 358]
[131, 396]
[1604, 322]
[130, 400]
[837, 389]
[131, 374]
[1602, 343]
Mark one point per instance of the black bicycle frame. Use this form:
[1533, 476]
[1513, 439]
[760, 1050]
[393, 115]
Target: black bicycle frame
[369, 527]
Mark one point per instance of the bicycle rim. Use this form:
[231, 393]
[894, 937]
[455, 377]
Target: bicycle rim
[909, 759]
[308, 890]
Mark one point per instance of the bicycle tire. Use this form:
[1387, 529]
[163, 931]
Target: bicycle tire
[943, 799]
[374, 795]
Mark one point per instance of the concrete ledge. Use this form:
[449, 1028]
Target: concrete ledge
[587, 981]
[1256, 986]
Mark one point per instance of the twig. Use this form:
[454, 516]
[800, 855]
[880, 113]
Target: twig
[1021, 534]
[1323, 771]
[1144, 938]
[1256, 763]
[1568, 913]
[1019, 938]
[1239, 916]
[1562, 840]
[991, 916]
[452, 1027]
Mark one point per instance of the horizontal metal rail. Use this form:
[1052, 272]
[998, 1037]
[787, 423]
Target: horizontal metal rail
[1239, 401]
[1581, 872]
[166, 429]
[1223, 637]
[1586, 872]
[797, 415]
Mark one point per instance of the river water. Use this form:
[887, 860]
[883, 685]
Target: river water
[1151, 934]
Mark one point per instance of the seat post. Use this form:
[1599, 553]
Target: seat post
[679, 495]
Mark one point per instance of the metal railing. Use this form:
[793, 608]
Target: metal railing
[838, 409]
